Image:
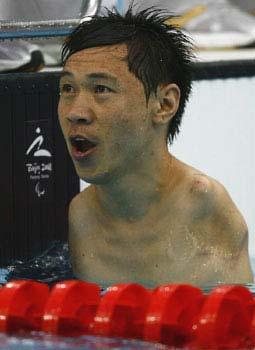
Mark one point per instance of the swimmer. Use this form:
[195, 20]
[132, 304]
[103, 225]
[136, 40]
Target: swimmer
[146, 217]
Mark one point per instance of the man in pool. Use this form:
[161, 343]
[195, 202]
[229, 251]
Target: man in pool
[146, 217]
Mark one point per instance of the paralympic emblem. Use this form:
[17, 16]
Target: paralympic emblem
[38, 142]
[37, 169]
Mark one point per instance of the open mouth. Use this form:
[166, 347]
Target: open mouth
[81, 146]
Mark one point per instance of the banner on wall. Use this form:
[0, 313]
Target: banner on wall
[38, 157]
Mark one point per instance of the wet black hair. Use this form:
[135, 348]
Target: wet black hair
[158, 52]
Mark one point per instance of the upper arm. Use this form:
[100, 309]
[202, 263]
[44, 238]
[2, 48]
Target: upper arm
[225, 229]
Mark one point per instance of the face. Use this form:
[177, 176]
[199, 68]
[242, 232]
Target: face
[103, 114]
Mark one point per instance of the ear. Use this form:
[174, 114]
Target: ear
[168, 99]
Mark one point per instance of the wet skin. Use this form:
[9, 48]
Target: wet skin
[147, 217]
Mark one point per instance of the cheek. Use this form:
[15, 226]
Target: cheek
[64, 106]
[116, 136]
[127, 137]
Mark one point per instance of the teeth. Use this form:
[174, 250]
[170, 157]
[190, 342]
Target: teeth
[79, 139]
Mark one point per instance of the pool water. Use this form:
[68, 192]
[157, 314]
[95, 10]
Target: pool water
[41, 341]
[52, 266]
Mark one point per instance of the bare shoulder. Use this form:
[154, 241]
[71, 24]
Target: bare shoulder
[79, 209]
[219, 224]
[208, 193]
[211, 206]
[216, 201]
[79, 201]
[203, 188]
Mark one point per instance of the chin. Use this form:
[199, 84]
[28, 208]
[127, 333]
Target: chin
[103, 178]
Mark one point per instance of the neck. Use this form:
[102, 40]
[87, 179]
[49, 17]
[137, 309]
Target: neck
[139, 190]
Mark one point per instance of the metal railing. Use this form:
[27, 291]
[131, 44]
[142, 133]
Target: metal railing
[47, 28]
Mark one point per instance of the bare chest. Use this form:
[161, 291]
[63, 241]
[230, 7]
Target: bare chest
[156, 252]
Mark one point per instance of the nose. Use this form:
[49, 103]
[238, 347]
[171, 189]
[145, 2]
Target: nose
[82, 117]
[81, 112]
[86, 120]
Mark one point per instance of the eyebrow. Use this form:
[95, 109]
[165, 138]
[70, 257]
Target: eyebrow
[93, 76]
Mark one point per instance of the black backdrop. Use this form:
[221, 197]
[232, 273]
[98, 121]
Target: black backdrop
[36, 174]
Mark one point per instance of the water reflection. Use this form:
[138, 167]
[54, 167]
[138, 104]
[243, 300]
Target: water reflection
[41, 341]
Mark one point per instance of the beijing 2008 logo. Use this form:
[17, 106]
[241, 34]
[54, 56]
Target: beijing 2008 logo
[39, 166]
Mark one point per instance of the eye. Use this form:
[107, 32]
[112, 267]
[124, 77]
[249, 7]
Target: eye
[102, 89]
[67, 88]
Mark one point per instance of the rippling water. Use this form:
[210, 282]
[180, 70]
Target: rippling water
[39, 341]
[42, 341]
[51, 266]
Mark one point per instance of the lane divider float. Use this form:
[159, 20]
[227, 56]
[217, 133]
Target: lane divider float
[176, 315]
